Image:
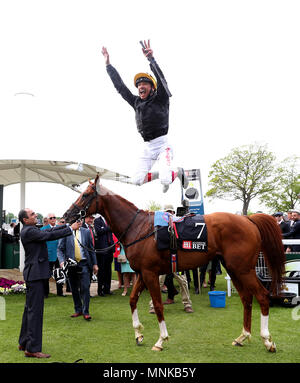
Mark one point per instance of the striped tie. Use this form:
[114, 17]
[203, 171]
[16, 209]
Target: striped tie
[77, 248]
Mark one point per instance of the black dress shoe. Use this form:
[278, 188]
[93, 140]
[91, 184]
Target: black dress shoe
[101, 294]
[108, 293]
[76, 315]
[36, 355]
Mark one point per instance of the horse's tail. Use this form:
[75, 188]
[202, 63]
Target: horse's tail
[272, 247]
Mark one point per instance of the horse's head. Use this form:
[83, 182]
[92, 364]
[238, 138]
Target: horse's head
[86, 204]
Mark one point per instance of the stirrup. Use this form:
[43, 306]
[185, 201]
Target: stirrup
[165, 188]
[183, 178]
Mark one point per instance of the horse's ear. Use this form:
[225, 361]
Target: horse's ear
[97, 183]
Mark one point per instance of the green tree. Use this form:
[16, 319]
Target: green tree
[244, 174]
[40, 218]
[153, 206]
[287, 186]
[9, 217]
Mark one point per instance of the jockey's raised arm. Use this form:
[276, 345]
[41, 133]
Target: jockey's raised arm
[151, 107]
[147, 50]
[106, 56]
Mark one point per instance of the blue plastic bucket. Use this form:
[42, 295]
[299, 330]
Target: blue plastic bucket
[217, 298]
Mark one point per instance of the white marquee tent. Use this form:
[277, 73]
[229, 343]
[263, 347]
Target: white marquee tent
[69, 174]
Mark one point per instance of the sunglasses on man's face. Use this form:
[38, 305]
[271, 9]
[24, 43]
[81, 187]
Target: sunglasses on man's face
[52, 217]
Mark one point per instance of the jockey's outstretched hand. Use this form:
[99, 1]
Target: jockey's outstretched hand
[148, 52]
[106, 55]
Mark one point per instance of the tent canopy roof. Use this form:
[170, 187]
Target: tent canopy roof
[69, 174]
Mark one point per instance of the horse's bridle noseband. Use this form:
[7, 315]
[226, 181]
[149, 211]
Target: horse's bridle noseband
[81, 212]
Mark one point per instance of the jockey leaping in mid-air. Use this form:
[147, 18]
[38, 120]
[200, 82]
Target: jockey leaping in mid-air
[152, 118]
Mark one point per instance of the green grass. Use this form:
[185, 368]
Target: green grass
[202, 337]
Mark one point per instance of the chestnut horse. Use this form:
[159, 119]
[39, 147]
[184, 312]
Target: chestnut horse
[236, 239]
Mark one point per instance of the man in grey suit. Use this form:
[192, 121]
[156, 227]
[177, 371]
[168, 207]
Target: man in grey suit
[36, 273]
[79, 247]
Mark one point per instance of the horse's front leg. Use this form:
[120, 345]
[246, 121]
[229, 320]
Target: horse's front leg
[152, 283]
[134, 296]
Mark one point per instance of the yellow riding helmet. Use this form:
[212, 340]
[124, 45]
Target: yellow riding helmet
[144, 77]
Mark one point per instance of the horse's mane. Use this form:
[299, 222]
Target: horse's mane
[104, 191]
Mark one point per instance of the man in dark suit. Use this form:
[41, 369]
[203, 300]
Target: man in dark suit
[289, 219]
[104, 240]
[79, 247]
[89, 224]
[36, 273]
[294, 233]
[284, 226]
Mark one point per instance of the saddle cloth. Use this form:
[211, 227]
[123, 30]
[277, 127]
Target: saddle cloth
[161, 218]
[190, 231]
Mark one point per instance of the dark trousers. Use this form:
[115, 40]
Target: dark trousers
[104, 262]
[32, 322]
[214, 265]
[59, 287]
[169, 283]
[195, 278]
[80, 281]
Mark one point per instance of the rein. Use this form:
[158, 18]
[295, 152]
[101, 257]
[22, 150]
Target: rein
[121, 236]
[143, 238]
[116, 243]
[82, 213]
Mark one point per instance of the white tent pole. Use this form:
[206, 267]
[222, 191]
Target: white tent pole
[22, 186]
[22, 206]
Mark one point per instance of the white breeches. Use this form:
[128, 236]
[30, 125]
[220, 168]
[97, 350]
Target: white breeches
[155, 150]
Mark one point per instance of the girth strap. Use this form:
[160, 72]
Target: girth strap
[173, 245]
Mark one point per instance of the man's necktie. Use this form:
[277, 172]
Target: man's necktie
[77, 248]
[92, 234]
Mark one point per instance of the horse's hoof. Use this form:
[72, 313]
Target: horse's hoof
[235, 343]
[139, 340]
[273, 347]
[155, 348]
